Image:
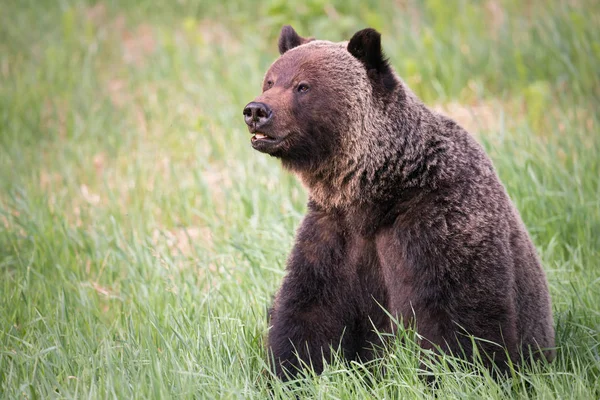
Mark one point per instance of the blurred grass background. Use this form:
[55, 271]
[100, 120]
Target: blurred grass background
[141, 238]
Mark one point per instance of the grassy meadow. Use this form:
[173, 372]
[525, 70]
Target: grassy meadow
[141, 238]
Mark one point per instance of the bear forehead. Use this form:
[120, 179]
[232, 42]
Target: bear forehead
[316, 57]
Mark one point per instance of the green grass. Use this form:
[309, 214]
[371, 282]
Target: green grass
[141, 238]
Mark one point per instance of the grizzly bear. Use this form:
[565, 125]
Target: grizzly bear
[407, 219]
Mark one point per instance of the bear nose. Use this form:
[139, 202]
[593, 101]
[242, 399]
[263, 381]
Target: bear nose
[257, 114]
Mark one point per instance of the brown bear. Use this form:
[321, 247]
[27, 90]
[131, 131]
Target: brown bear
[406, 218]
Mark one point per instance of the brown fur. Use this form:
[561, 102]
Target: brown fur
[405, 212]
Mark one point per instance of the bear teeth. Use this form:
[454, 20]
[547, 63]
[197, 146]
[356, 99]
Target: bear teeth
[260, 136]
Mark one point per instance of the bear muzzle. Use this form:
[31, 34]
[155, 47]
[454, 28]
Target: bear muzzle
[258, 116]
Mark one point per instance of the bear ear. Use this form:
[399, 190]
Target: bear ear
[365, 45]
[288, 39]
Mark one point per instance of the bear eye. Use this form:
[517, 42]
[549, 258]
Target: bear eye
[269, 84]
[302, 88]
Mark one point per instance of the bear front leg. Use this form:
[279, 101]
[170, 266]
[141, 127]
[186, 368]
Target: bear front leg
[312, 312]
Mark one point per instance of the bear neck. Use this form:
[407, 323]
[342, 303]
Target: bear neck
[395, 151]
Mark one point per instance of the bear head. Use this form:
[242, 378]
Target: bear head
[324, 107]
